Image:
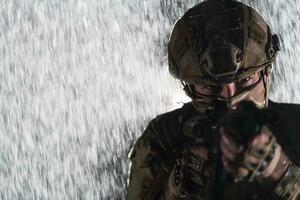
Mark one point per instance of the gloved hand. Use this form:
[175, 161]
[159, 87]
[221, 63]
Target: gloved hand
[262, 158]
[190, 176]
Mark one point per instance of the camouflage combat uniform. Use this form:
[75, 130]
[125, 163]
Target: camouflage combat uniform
[154, 154]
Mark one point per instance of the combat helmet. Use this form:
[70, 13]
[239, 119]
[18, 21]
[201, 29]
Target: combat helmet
[219, 42]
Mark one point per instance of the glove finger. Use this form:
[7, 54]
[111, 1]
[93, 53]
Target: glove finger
[242, 173]
[261, 139]
[228, 153]
[230, 166]
[229, 141]
[262, 150]
[250, 162]
[231, 153]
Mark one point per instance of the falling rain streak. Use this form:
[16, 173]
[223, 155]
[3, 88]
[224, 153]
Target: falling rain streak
[80, 79]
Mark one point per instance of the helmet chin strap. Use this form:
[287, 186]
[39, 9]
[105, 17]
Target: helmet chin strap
[232, 102]
[266, 81]
[259, 104]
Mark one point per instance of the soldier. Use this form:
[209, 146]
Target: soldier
[222, 52]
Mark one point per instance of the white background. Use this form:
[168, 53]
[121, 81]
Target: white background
[80, 79]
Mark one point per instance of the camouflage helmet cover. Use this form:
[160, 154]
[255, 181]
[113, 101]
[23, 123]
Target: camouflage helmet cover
[220, 42]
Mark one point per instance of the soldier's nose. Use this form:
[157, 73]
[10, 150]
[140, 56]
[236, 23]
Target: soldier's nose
[228, 90]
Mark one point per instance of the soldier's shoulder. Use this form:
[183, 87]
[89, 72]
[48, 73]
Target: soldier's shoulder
[175, 117]
[166, 128]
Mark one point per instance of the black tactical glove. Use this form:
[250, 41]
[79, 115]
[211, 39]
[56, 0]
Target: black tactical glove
[249, 148]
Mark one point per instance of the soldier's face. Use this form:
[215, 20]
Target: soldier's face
[226, 91]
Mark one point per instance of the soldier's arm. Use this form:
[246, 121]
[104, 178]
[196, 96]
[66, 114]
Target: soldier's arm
[287, 132]
[285, 179]
[147, 178]
[274, 161]
[288, 188]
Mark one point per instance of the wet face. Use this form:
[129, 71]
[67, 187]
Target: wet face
[254, 84]
[227, 90]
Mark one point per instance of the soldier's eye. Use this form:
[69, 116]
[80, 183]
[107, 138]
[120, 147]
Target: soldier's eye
[207, 89]
[249, 81]
[211, 89]
[245, 82]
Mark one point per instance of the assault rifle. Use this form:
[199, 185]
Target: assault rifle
[244, 123]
